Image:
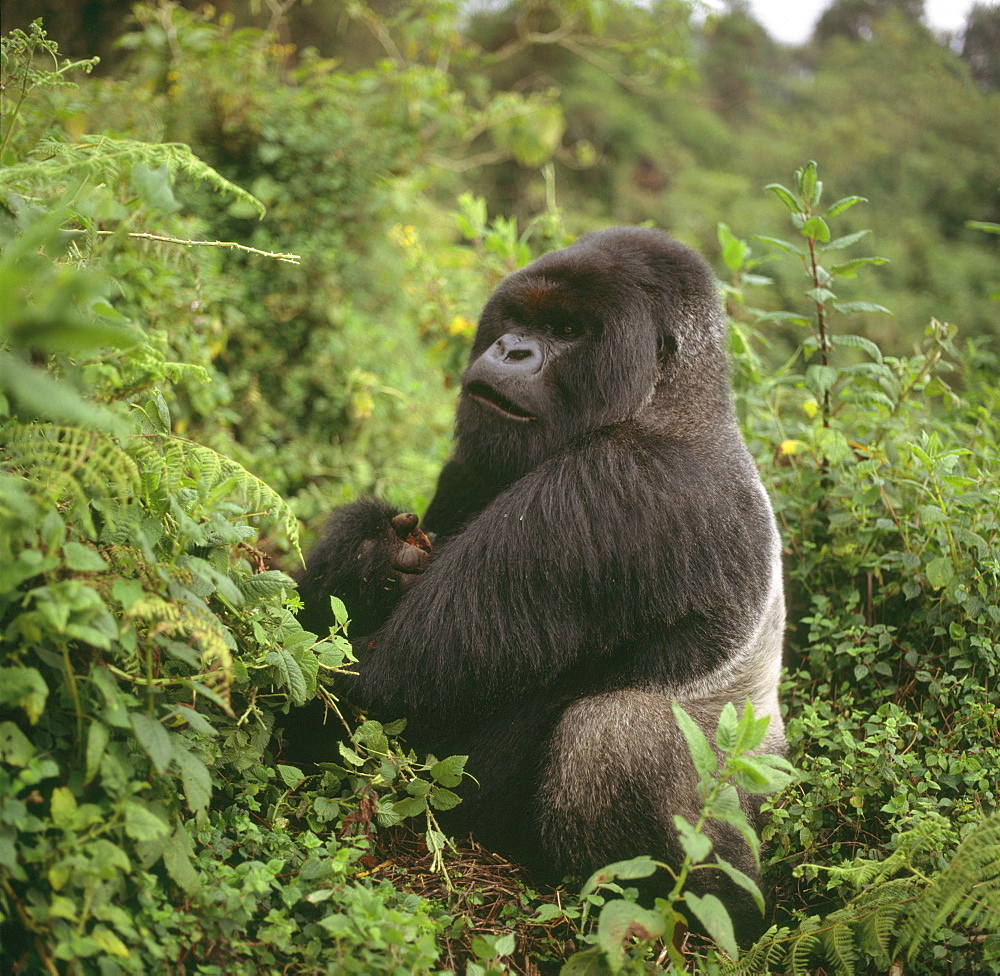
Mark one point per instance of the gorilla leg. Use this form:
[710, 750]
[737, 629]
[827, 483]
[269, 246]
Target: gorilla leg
[617, 772]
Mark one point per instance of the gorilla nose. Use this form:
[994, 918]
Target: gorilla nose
[517, 352]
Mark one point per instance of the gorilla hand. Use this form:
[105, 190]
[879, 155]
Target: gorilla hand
[369, 556]
[409, 549]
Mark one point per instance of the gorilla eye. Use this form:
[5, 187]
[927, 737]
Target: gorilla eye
[569, 330]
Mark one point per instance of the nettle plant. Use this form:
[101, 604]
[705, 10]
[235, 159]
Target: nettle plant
[884, 483]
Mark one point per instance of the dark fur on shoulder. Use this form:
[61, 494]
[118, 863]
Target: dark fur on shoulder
[603, 546]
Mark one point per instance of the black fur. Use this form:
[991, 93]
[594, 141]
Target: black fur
[603, 545]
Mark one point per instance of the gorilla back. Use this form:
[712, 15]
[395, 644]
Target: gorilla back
[603, 547]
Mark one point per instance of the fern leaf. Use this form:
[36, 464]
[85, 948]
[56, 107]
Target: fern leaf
[167, 461]
[965, 893]
[69, 464]
[102, 158]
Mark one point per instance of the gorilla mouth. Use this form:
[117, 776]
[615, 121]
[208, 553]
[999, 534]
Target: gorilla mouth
[489, 396]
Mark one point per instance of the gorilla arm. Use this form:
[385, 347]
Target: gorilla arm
[592, 557]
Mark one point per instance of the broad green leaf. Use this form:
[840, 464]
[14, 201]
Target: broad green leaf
[291, 776]
[623, 920]
[783, 245]
[442, 799]
[448, 772]
[714, 918]
[940, 572]
[839, 243]
[725, 733]
[697, 845]
[589, 962]
[195, 779]
[62, 807]
[83, 559]
[109, 942]
[637, 867]
[141, 823]
[743, 880]
[702, 754]
[410, 806]
[858, 342]
[785, 196]
[849, 308]
[339, 612]
[850, 268]
[816, 228]
[177, 860]
[154, 740]
[819, 379]
[98, 737]
[24, 688]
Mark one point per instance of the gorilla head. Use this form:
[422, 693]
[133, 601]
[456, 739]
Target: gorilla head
[609, 329]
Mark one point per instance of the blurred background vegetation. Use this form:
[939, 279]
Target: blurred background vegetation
[169, 410]
[349, 119]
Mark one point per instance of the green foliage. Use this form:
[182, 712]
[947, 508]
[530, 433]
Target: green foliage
[159, 402]
[884, 481]
[624, 929]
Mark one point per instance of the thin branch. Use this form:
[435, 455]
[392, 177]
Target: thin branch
[142, 236]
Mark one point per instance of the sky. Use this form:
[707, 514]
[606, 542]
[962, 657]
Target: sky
[792, 21]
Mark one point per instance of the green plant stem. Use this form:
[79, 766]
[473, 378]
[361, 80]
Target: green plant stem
[74, 691]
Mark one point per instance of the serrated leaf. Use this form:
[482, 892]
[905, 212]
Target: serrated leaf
[702, 754]
[696, 845]
[195, 779]
[940, 572]
[845, 203]
[849, 269]
[141, 823]
[839, 243]
[83, 559]
[62, 807]
[177, 861]
[819, 379]
[725, 732]
[783, 245]
[817, 229]
[154, 740]
[785, 196]
[410, 806]
[743, 880]
[448, 772]
[442, 799]
[636, 867]
[290, 674]
[589, 962]
[849, 308]
[98, 737]
[858, 342]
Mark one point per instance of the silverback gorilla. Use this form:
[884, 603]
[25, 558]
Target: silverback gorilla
[602, 546]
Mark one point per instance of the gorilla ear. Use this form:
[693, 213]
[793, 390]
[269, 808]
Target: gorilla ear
[666, 345]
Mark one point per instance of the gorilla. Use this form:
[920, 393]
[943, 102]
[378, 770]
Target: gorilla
[602, 546]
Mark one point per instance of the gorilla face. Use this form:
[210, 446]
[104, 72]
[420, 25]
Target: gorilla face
[580, 339]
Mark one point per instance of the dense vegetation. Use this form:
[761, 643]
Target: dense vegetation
[237, 280]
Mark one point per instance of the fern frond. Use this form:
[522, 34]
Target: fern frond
[965, 893]
[166, 461]
[105, 159]
[198, 625]
[71, 463]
